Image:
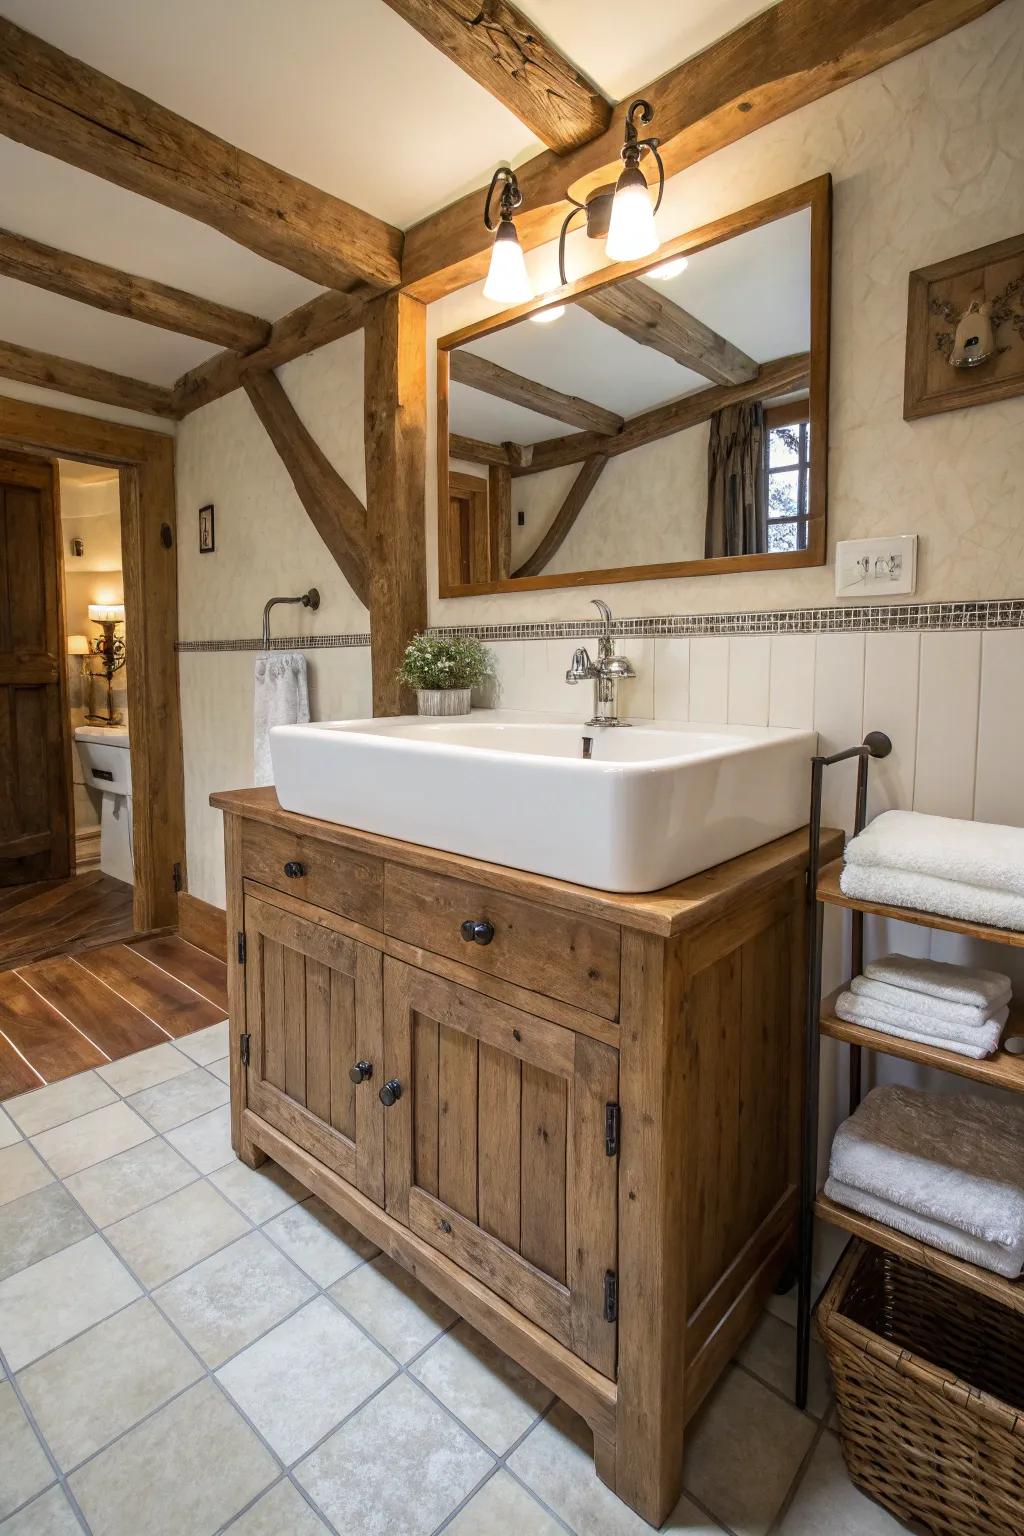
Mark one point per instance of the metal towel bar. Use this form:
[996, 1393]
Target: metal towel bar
[310, 599]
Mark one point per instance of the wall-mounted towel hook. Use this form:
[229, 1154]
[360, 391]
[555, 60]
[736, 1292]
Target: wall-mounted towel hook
[310, 599]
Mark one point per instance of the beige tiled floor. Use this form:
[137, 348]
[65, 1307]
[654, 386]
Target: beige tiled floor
[189, 1348]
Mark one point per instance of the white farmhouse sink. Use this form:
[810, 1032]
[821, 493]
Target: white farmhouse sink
[655, 803]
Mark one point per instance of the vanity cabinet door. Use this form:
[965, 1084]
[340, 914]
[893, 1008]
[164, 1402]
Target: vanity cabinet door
[496, 1153]
[313, 1009]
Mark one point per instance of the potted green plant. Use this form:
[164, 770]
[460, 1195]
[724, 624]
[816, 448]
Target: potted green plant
[444, 669]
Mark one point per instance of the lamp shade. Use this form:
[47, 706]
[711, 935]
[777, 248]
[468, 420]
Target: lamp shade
[78, 645]
[106, 613]
[631, 232]
[507, 279]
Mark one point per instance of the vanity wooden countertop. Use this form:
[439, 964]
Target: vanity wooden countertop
[669, 911]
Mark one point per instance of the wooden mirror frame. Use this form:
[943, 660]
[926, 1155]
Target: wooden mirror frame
[815, 195]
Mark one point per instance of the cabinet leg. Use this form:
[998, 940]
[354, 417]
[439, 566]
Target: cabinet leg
[247, 1151]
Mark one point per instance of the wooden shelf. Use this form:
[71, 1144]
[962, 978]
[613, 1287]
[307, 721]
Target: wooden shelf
[1009, 1293]
[1003, 1069]
[829, 891]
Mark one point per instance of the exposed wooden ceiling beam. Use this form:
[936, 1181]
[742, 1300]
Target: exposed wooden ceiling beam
[492, 379]
[634, 309]
[791, 54]
[326, 318]
[503, 51]
[590, 473]
[335, 511]
[42, 368]
[120, 293]
[775, 378]
[61, 106]
[475, 451]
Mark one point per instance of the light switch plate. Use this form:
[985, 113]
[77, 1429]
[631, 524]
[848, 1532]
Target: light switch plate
[876, 567]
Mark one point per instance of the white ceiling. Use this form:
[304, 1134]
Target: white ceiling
[754, 290]
[340, 92]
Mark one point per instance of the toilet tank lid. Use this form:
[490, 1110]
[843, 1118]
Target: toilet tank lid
[112, 735]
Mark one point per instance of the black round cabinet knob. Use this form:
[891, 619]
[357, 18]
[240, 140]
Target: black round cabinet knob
[359, 1071]
[390, 1093]
[294, 870]
[477, 933]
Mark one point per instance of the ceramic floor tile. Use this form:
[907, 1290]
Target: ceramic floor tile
[827, 1501]
[399, 1312]
[770, 1352]
[743, 1451]
[21, 1171]
[305, 1376]
[46, 1107]
[24, 1466]
[183, 1472]
[429, 1468]
[281, 1512]
[106, 1380]
[206, 1303]
[145, 1069]
[491, 1394]
[37, 1225]
[91, 1138]
[206, 1142]
[206, 1045]
[48, 1303]
[182, 1098]
[176, 1232]
[320, 1241]
[258, 1192]
[115, 1188]
[9, 1132]
[221, 1069]
[503, 1508]
[49, 1515]
[556, 1461]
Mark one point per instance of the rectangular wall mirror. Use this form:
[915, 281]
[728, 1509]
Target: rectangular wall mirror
[658, 418]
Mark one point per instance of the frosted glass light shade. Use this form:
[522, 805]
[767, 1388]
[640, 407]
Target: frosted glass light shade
[631, 230]
[78, 645]
[545, 316]
[507, 279]
[106, 613]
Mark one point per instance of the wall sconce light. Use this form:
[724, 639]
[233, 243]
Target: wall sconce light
[111, 649]
[507, 279]
[622, 214]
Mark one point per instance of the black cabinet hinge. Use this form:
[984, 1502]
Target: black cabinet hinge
[611, 1296]
[241, 948]
[176, 876]
[243, 1048]
[611, 1130]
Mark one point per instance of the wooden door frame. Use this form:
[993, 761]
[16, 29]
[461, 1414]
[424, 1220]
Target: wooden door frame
[145, 461]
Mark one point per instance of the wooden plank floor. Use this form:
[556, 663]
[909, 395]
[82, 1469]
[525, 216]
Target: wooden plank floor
[58, 917]
[62, 1015]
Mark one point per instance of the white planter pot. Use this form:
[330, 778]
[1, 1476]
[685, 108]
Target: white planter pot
[443, 701]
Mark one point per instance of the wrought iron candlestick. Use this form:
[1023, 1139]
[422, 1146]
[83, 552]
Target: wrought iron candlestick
[110, 648]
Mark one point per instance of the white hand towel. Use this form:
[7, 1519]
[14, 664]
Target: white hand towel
[921, 1006]
[1003, 1261]
[281, 698]
[894, 888]
[953, 1158]
[976, 1043]
[940, 978]
[972, 852]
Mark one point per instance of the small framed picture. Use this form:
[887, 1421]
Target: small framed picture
[206, 530]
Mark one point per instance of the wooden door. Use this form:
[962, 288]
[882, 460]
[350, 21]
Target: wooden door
[35, 742]
[313, 1010]
[496, 1151]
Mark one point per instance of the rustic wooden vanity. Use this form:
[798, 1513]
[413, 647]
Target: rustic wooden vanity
[572, 1115]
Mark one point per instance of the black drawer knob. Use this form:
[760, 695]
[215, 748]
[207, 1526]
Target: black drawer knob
[294, 870]
[359, 1071]
[477, 933]
[390, 1093]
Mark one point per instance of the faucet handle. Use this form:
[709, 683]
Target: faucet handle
[581, 669]
[618, 666]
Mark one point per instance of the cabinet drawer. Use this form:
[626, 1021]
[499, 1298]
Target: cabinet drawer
[557, 953]
[323, 874]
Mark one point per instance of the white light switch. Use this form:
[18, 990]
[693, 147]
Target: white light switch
[876, 567]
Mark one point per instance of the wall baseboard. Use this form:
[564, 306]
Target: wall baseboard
[203, 925]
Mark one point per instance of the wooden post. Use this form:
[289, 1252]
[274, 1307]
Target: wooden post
[395, 409]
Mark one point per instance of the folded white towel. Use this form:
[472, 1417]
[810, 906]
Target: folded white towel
[954, 1159]
[281, 698]
[1003, 1261]
[965, 984]
[974, 852]
[976, 1043]
[922, 1006]
[895, 888]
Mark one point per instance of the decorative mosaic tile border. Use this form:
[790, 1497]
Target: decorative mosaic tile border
[999, 613]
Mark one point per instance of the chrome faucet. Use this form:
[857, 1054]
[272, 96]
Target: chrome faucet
[604, 672]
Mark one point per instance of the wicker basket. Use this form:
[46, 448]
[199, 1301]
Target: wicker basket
[929, 1382]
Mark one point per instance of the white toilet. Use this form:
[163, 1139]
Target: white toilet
[106, 766]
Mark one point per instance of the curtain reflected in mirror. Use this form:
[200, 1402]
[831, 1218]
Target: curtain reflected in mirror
[737, 483]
